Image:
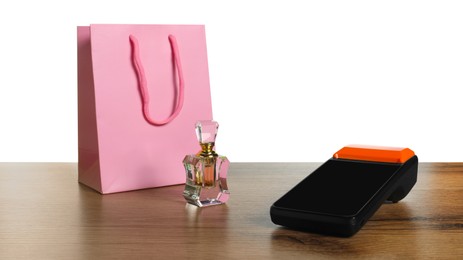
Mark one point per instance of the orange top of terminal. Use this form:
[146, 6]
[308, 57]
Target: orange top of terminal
[375, 153]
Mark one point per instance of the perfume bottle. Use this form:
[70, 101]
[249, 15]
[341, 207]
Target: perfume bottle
[206, 171]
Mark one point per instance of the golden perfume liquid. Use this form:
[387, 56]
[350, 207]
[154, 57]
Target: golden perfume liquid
[206, 171]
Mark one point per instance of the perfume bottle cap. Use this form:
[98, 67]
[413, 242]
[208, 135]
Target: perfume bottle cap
[206, 131]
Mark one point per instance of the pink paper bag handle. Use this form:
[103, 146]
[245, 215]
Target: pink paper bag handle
[142, 83]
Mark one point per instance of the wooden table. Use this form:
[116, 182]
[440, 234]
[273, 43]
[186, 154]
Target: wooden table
[46, 214]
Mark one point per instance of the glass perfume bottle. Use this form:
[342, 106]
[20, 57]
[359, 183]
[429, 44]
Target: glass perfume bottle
[206, 171]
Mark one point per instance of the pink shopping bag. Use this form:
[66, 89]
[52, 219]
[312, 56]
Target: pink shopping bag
[141, 88]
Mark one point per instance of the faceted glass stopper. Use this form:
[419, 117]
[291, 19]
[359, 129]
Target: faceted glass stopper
[206, 131]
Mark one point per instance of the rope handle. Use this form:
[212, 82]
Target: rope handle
[142, 83]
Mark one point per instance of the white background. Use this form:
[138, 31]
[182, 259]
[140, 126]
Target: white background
[291, 80]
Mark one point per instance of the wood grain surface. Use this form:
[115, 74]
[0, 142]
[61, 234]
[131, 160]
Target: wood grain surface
[46, 214]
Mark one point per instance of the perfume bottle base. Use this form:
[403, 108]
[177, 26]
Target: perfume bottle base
[204, 197]
[205, 203]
